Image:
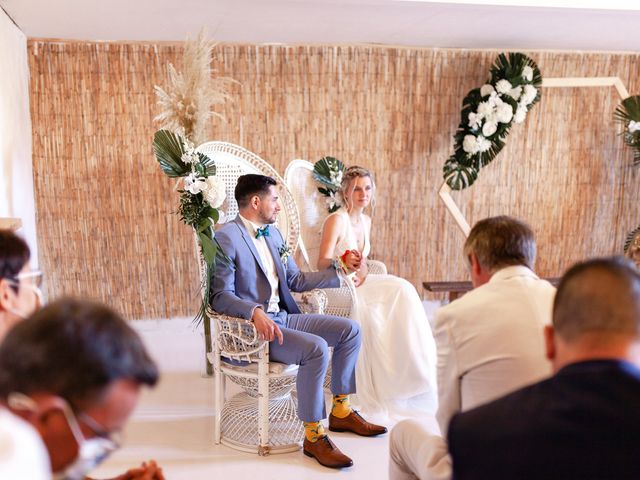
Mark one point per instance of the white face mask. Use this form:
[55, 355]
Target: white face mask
[91, 452]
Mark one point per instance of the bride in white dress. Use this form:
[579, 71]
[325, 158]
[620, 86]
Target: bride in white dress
[395, 373]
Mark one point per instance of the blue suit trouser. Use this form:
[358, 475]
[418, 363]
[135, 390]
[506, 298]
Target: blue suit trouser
[306, 342]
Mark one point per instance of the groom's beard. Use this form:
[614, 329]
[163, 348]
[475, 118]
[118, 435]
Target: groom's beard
[268, 220]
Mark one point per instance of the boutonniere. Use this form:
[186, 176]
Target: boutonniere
[285, 253]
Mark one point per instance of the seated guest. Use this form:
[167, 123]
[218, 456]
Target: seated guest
[489, 342]
[70, 376]
[583, 422]
[19, 292]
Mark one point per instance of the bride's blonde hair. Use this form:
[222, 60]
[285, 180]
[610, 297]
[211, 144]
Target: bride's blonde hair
[346, 187]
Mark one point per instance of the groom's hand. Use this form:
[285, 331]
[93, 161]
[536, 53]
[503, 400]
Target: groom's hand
[267, 328]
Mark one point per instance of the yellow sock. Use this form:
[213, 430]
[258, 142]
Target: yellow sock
[313, 431]
[341, 406]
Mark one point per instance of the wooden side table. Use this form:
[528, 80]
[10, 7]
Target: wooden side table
[10, 223]
[457, 289]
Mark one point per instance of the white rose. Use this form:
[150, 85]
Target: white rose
[515, 93]
[484, 109]
[483, 144]
[194, 184]
[503, 86]
[634, 126]
[474, 120]
[188, 157]
[489, 128]
[527, 73]
[469, 144]
[504, 113]
[529, 94]
[520, 114]
[215, 192]
[491, 118]
[486, 89]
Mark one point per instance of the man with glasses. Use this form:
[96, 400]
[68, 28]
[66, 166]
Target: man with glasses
[19, 285]
[72, 371]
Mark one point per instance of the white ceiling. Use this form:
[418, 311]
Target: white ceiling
[612, 26]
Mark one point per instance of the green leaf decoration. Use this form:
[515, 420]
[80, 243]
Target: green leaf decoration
[459, 176]
[630, 238]
[327, 172]
[168, 149]
[487, 115]
[322, 170]
[629, 111]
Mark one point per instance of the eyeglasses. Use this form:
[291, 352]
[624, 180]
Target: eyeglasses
[35, 274]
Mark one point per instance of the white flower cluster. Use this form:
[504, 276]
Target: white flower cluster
[633, 126]
[189, 156]
[212, 188]
[335, 175]
[333, 200]
[494, 110]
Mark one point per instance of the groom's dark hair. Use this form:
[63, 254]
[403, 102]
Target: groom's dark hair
[250, 185]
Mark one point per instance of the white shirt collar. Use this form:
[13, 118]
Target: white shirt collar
[512, 271]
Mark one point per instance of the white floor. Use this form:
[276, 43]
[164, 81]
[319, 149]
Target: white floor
[173, 424]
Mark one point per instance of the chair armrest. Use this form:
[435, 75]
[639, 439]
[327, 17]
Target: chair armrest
[376, 267]
[314, 301]
[236, 338]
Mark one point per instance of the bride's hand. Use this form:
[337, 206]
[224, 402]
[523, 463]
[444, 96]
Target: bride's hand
[361, 274]
[359, 278]
[353, 260]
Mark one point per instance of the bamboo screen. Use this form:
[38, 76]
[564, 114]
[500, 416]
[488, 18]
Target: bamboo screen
[104, 209]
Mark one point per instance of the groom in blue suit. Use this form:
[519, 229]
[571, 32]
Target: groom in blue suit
[257, 287]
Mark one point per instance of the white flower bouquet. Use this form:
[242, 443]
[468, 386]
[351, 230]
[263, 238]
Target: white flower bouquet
[488, 113]
[201, 196]
[328, 173]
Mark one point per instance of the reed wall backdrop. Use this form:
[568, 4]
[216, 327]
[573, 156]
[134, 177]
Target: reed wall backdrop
[104, 208]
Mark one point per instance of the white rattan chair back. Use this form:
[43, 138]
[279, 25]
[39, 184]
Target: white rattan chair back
[233, 161]
[312, 210]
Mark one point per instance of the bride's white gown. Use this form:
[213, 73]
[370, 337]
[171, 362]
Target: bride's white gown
[396, 369]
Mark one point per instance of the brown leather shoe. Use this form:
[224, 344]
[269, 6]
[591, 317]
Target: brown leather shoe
[356, 424]
[326, 453]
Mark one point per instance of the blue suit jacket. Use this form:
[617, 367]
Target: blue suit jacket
[238, 289]
[582, 423]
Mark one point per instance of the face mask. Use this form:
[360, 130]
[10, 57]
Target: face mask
[91, 452]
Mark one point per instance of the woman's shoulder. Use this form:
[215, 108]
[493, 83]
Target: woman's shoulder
[334, 223]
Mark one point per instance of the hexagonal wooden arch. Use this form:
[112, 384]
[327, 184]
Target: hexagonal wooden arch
[560, 82]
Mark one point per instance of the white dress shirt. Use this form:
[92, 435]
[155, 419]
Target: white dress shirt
[267, 262]
[22, 452]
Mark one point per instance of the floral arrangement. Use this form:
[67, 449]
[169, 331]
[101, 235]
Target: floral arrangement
[628, 114]
[201, 195]
[186, 107]
[488, 113]
[328, 173]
